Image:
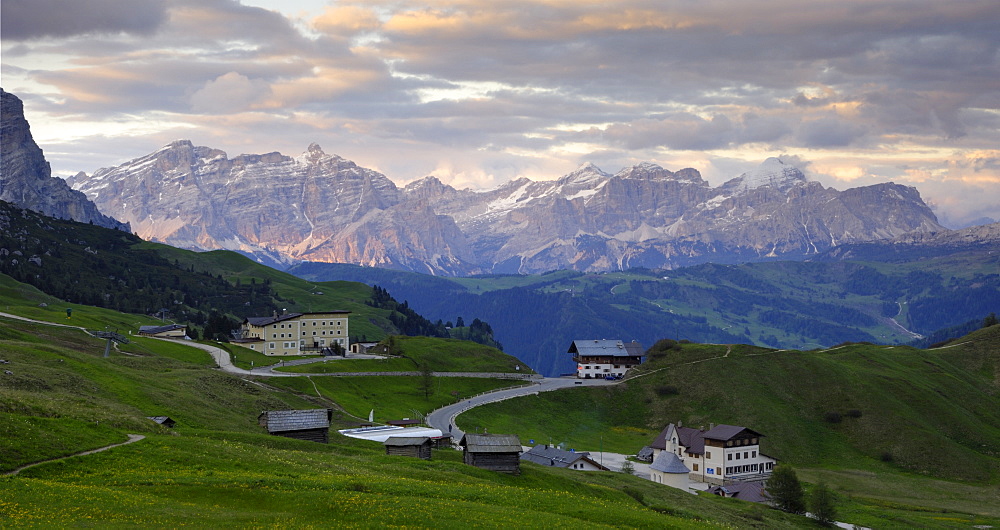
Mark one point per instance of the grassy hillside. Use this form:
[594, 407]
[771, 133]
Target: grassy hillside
[217, 468]
[778, 304]
[866, 418]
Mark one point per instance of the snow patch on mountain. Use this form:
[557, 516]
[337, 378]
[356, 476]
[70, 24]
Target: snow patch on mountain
[772, 173]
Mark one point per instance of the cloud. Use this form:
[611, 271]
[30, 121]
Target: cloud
[35, 19]
[231, 92]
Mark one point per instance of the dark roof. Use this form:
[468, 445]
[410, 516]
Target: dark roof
[646, 453]
[153, 330]
[267, 321]
[406, 440]
[614, 348]
[727, 432]
[162, 420]
[553, 456]
[747, 491]
[669, 463]
[296, 420]
[491, 443]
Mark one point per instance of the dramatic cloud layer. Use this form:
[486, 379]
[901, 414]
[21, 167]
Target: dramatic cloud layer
[478, 92]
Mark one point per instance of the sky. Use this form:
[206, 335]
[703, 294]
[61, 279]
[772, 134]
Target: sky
[479, 92]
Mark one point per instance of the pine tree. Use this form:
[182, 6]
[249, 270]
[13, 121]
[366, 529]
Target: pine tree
[785, 491]
[821, 504]
[990, 320]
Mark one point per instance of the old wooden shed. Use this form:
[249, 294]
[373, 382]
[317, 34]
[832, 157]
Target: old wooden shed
[496, 452]
[415, 446]
[312, 425]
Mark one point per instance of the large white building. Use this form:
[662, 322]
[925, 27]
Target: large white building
[296, 333]
[723, 453]
[598, 359]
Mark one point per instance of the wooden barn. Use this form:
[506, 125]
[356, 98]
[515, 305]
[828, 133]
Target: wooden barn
[495, 452]
[415, 446]
[312, 425]
[166, 421]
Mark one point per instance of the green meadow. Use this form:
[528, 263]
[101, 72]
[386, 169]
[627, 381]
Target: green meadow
[217, 467]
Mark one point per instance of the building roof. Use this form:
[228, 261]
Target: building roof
[162, 420]
[552, 456]
[402, 441]
[693, 440]
[606, 348]
[153, 330]
[296, 420]
[491, 443]
[267, 321]
[727, 432]
[747, 491]
[669, 463]
[645, 454]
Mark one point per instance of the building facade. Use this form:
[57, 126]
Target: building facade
[722, 454]
[296, 333]
[599, 359]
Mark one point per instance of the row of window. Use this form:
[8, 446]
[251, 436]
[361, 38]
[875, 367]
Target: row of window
[290, 335]
[750, 468]
[742, 441]
[290, 325]
[752, 454]
[292, 345]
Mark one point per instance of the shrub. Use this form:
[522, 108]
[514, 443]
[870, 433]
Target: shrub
[832, 417]
[667, 390]
[886, 456]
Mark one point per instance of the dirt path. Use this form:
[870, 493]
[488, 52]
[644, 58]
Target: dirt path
[132, 438]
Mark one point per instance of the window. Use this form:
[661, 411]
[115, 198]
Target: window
[695, 467]
[270, 345]
[737, 456]
[746, 454]
[754, 453]
[708, 454]
[729, 456]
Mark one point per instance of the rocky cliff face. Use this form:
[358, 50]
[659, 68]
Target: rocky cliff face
[321, 207]
[26, 179]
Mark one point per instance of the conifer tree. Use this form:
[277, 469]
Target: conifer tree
[821, 504]
[785, 491]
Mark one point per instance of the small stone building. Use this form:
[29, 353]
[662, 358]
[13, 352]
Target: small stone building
[415, 446]
[312, 425]
[495, 452]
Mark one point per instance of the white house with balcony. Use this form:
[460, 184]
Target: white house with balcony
[720, 455]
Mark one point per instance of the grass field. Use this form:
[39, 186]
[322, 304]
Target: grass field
[914, 442]
[217, 468]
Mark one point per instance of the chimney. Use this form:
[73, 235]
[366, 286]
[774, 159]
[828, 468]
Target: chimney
[680, 423]
[711, 426]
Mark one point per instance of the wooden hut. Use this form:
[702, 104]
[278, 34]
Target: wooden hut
[495, 452]
[166, 421]
[312, 425]
[415, 446]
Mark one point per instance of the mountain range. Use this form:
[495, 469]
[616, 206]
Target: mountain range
[26, 178]
[324, 208]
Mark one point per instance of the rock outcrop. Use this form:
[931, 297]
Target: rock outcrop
[321, 207]
[26, 179]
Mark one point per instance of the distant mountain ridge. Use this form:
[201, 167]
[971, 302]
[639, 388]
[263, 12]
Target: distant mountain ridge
[320, 207]
[26, 179]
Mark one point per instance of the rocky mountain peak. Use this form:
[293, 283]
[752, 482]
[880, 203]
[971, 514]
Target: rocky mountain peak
[772, 173]
[26, 178]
